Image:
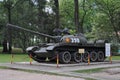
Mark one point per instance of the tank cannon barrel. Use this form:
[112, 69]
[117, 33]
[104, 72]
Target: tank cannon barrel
[31, 31]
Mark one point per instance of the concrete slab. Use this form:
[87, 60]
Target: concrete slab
[53, 64]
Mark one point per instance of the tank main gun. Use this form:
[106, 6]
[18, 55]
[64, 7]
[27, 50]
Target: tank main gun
[9, 26]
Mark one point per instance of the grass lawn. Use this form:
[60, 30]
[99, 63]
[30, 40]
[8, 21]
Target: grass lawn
[116, 58]
[18, 56]
[4, 58]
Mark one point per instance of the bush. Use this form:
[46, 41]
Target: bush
[114, 49]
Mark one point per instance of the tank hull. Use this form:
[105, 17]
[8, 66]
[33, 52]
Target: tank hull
[71, 49]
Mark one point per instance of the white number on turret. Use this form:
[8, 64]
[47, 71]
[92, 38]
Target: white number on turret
[75, 40]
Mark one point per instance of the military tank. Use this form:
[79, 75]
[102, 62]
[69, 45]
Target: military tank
[67, 47]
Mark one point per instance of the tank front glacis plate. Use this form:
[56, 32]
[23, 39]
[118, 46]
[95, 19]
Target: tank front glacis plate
[41, 50]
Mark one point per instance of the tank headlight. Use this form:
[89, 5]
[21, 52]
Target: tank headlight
[67, 40]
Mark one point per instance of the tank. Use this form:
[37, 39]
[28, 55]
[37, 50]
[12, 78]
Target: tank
[67, 47]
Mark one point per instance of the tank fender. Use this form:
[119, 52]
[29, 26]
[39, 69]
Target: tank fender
[32, 48]
[50, 47]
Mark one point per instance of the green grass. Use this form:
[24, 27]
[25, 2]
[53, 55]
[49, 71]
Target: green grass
[1, 47]
[115, 57]
[18, 56]
[4, 58]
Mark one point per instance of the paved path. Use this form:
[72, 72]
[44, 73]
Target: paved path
[67, 70]
[20, 75]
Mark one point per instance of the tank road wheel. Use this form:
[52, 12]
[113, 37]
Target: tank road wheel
[85, 56]
[76, 57]
[93, 56]
[101, 56]
[65, 57]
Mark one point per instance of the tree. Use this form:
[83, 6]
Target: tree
[111, 9]
[68, 13]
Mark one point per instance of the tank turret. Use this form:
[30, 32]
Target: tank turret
[66, 46]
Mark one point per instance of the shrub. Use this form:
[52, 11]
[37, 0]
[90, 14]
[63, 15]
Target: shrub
[114, 49]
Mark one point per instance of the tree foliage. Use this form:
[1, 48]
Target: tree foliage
[110, 10]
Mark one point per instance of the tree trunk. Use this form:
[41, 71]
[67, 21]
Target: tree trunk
[41, 17]
[83, 17]
[76, 16]
[57, 23]
[5, 49]
[9, 40]
[10, 30]
[4, 43]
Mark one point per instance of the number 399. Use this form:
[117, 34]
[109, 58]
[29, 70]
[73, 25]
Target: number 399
[75, 40]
